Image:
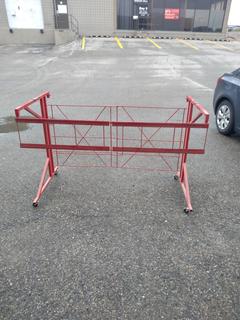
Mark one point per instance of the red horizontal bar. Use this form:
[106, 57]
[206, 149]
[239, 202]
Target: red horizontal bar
[114, 123]
[158, 150]
[159, 125]
[116, 106]
[122, 168]
[65, 121]
[63, 147]
[115, 149]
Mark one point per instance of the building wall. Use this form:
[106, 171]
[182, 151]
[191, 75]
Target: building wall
[96, 17]
[23, 36]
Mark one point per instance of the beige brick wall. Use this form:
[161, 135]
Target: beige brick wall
[48, 14]
[3, 15]
[96, 17]
[22, 36]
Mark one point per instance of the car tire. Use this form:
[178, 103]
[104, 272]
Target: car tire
[225, 117]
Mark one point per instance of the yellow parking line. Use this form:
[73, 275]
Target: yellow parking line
[83, 42]
[118, 42]
[153, 42]
[221, 46]
[188, 44]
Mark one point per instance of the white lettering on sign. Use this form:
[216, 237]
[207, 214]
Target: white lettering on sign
[140, 1]
[172, 14]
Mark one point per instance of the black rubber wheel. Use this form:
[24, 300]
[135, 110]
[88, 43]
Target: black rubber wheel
[187, 211]
[225, 117]
[176, 177]
[35, 204]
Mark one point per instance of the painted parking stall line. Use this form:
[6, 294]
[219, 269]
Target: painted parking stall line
[153, 42]
[220, 46]
[223, 47]
[83, 42]
[186, 43]
[118, 42]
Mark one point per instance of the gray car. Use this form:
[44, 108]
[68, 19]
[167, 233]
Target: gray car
[226, 103]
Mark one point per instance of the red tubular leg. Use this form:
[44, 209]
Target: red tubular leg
[183, 176]
[49, 164]
[185, 187]
[47, 136]
[43, 182]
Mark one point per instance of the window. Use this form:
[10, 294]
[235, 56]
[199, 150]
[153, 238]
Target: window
[182, 15]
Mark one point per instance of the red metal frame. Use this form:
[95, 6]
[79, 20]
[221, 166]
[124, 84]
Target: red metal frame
[112, 142]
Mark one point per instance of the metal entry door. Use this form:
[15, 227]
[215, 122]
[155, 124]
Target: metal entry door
[61, 14]
[142, 10]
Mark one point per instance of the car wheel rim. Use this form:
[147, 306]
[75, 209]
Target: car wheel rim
[223, 117]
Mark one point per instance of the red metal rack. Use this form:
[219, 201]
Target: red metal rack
[115, 137]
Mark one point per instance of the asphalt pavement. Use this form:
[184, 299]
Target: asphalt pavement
[111, 243]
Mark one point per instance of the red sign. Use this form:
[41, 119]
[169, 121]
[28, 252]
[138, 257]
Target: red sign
[172, 14]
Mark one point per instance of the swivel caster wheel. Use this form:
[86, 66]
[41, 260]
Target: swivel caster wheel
[187, 211]
[176, 177]
[35, 204]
